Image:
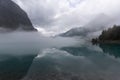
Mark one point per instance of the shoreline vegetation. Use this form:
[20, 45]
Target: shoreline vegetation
[111, 35]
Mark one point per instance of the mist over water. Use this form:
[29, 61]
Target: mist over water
[75, 63]
[31, 56]
[22, 41]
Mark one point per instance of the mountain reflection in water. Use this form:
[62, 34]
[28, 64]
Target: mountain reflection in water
[74, 63]
[111, 49]
[86, 62]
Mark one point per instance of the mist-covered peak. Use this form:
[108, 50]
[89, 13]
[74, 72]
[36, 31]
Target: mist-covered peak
[96, 24]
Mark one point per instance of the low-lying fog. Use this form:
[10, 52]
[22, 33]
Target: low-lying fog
[57, 58]
[22, 42]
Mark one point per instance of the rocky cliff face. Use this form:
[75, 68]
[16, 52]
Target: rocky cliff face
[12, 17]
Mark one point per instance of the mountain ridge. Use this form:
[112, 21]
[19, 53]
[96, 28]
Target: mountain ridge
[93, 26]
[12, 17]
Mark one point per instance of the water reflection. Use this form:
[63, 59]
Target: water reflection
[15, 60]
[31, 61]
[74, 63]
[14, 68]
[111, 49]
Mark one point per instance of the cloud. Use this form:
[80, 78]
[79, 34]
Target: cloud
[60, 15]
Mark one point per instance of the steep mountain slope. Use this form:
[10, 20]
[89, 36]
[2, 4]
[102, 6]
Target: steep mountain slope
[12, 17]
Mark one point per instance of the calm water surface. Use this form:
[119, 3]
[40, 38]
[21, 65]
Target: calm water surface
[30, 61]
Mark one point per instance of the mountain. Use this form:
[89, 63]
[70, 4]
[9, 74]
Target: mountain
[12, 17]
[97, 24]
[74, 32]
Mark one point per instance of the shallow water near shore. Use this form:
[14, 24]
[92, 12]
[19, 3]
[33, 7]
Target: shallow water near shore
[25, 56]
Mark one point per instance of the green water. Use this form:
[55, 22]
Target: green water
[78, 62]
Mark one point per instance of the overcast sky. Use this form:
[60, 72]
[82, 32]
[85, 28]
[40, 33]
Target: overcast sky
[54, 16]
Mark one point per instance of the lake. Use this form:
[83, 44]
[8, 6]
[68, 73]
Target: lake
[27, 57]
